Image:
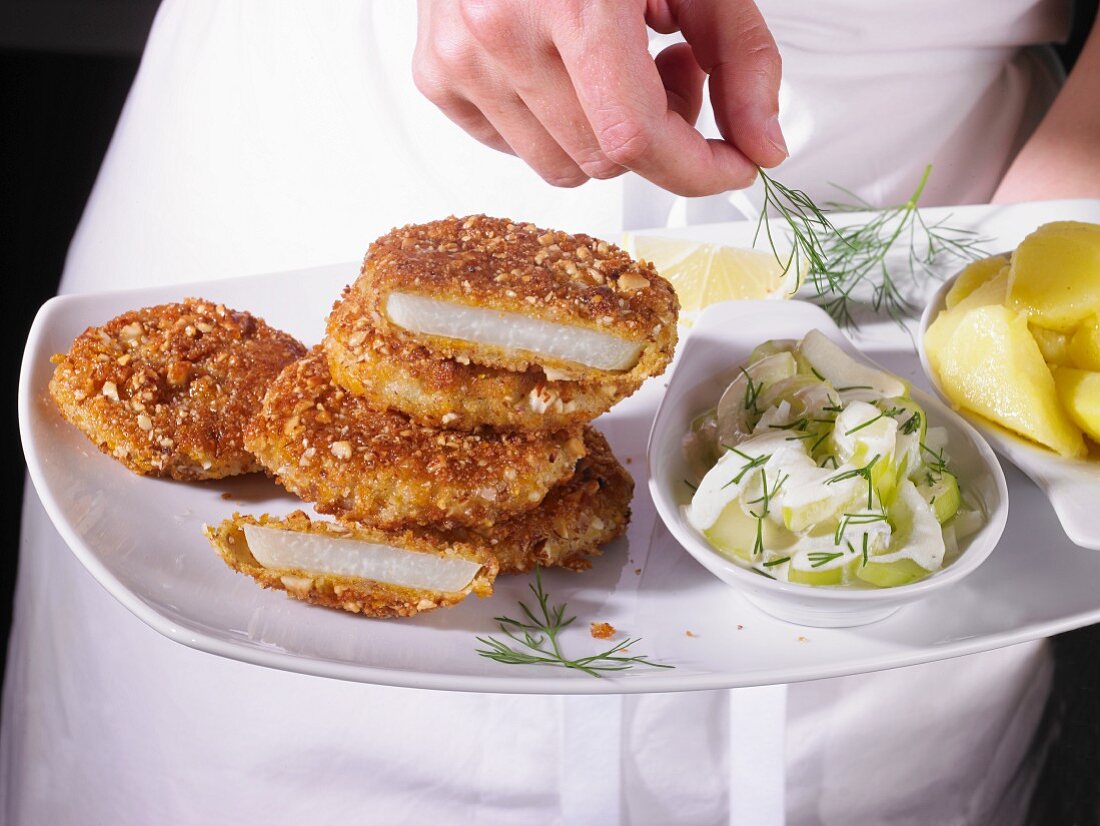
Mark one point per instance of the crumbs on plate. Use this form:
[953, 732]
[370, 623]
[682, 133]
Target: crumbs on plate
[602, 630]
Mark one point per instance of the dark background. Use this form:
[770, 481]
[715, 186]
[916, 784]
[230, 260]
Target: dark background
[65, 69]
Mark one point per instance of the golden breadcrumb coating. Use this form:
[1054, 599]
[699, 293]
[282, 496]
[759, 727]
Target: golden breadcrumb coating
[379, 468]
[553, 276]
[168, 390]
[359, 596]
[574, 520]
[397, 374]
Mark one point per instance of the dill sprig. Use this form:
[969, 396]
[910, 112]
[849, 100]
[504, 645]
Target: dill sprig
[840, 260]
[751, 464]
[819, 558]
[937, 461]
[850, 519]
[809, 230]
[539, 644]
[752, 390]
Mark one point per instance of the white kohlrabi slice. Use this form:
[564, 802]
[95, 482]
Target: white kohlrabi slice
[512, 331]
[935, 439]
[806, 497]
[790, 390]
[918, 535]
[718, 488]
[967, 522]
[739, 403]
[842, 371]
[814, 398]
[862, 432]
[700, 445]
[907, 452]
[950, 541]
[773, 418]
[317, 553]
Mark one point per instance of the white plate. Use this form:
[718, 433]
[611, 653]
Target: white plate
[1072, 485]
[141, 539]
[721, 340]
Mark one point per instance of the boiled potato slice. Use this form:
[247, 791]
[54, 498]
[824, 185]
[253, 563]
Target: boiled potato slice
[1055, 275]
[993, 366]
[1053, 345]
[973, 276]
[993, 291]
[1084, 347]
[1079, 391]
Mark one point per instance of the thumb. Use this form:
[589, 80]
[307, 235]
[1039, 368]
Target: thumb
[733, 45]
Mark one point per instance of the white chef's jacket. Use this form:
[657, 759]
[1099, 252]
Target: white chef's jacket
[265, 136]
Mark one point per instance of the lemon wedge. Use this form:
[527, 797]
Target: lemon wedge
[705, 274]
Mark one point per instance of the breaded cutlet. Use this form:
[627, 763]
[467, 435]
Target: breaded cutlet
[572, 523]
[398, 374]
[575, 519]
[368, 597]
[512, 296]
[379, 468]
[168, 390]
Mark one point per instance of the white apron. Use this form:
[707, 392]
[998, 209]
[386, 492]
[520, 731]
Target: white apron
[269, 136]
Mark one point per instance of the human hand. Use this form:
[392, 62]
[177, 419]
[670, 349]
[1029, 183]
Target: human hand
[570, 86]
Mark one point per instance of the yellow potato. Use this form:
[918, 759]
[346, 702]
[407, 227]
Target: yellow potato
[1055, 275]
[990, 364]
[993, 291]
[973, 276]
[1084, 347]
[1079, 392]
[1054, 346]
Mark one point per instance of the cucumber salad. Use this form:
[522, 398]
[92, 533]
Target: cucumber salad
[818, 469]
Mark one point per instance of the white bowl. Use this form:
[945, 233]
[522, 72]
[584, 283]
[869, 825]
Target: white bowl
[1072, 485]
[721, 339]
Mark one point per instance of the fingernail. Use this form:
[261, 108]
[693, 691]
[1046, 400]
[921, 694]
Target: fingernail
[775, 135]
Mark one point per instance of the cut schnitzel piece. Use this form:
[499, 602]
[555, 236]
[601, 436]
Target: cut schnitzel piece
[168, 390]
[391, 372]
[512, 296]
[381, 469]
[368, 572]
[399, 573]
[575, 519]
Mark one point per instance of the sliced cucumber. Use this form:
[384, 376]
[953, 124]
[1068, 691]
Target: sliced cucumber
[831, 575]
[891, 574]
[941, 491]
[816, 576]
[734, 534]
[771, 347]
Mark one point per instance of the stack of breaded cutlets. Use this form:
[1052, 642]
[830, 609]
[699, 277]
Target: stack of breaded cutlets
[447, 411]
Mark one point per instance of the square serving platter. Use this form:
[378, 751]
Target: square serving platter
[142, 539]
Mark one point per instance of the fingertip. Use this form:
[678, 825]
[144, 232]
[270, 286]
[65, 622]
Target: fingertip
[773, 133]
[758, 135]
